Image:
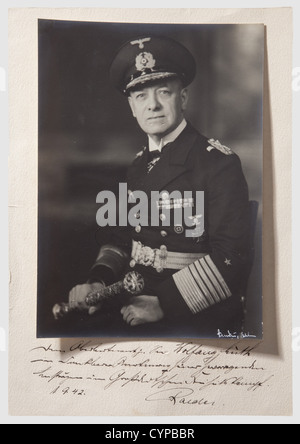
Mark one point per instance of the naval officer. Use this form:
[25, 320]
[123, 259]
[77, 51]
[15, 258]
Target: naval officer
[192, 283]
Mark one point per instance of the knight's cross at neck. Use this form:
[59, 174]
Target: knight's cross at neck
[169, 138]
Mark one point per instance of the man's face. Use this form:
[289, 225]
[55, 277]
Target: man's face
[159, 108]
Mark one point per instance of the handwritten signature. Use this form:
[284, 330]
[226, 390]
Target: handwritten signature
[179, 396]
[235, 335]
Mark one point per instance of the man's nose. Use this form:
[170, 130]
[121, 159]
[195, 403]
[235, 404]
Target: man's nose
[153, 102]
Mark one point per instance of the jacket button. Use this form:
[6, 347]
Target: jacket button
[138, 229]
[178, 229]
[164, 233]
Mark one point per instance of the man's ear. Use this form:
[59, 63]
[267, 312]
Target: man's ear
[184, 98]
[131, 104]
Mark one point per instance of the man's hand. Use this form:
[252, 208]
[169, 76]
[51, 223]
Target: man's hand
[78, 294]
[142, 310]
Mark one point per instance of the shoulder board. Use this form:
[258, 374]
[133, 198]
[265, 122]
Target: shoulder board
[140, 153]
[215, 144]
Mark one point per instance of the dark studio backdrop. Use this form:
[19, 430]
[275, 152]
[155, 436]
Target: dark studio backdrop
[88, 137]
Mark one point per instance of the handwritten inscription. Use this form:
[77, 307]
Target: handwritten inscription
[182, 374]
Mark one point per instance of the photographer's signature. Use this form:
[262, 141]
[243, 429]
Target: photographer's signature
[235, 335]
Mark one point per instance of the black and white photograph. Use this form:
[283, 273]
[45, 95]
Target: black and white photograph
[150, 174]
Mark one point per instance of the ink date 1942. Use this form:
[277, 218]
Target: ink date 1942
[68, 391]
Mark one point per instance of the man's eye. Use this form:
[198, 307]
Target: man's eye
[165, 92]
[140, 96]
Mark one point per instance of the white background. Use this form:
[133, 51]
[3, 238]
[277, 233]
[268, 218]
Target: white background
[4, 153]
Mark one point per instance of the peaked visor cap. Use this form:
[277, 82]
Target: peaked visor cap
[149, 59]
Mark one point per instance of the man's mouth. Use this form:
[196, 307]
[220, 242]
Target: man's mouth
[156, 118]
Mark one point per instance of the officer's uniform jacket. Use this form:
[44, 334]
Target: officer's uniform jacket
[208, 288]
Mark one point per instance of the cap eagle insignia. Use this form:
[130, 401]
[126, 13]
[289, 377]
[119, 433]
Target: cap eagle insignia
[141, 42]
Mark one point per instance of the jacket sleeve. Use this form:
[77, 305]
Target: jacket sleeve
[217, 276]
[112, 259]
[115, 254]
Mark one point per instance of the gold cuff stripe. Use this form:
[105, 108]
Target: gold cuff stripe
[209, 288]
[199, 303]
[201, 285]
[196, 304]
[217, 289]
[218, 276]
[190, 292]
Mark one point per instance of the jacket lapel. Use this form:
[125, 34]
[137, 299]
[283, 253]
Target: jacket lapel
[171, 165]
[137, 172]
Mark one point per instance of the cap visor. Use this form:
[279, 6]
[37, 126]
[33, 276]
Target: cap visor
[149, 78]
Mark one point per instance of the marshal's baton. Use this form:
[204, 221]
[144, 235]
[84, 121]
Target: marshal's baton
[133, 283]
